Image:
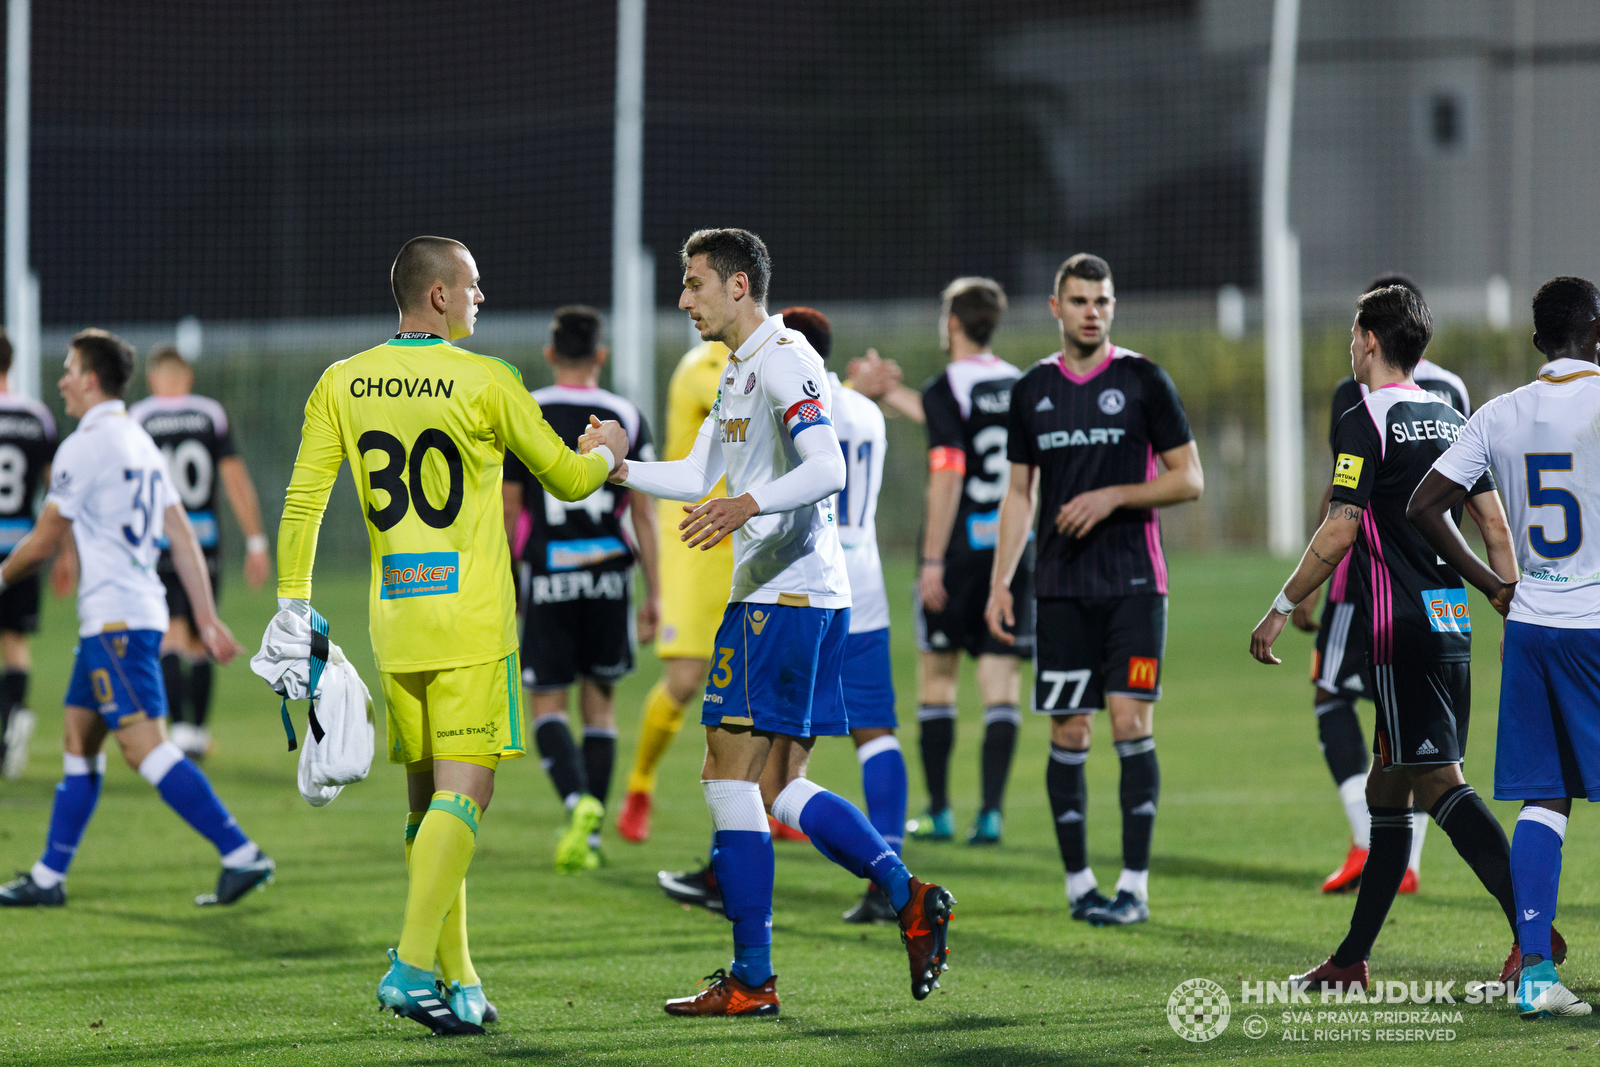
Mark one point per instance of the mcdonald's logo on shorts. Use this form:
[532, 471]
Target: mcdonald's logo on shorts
[1141, 672]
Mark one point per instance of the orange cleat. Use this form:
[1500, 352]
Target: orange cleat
[1512, 969]
[1410, 883]
[924, 926]
[1326, 978]
[785, 832]
[634, 822]
[726, 995]
[1348, 877]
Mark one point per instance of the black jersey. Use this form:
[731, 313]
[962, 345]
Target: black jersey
[1083, 433]
[192, 432]
[966, 410]
[27, 445]
[554, 535]
[1414, 606]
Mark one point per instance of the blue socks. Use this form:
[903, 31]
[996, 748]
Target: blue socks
[840, 832]
[76, 797]
[1536, 875]
[742, 857]
[183, 786]
[883, 781]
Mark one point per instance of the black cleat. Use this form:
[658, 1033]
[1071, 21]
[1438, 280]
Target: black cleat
[1126, 910]
[1088, 902]
[693, 887]
[873, 907]
[24, 892]
[235, 882]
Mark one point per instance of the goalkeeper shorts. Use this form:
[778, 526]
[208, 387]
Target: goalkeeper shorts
[463, 711]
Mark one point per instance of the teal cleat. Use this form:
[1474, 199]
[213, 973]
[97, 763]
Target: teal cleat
[987, 829]
[469, 1003]
[411, 993]
[1540, 994]
[933, 826]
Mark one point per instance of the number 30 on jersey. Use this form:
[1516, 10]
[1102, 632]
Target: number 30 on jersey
[388, 478]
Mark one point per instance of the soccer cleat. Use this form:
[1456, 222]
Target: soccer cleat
[1409, 883]
[235, 882]
[634, 822]
[933, 826]
[1126, 910]
[726, 995]
[924, 929]
[1328, 978]
[784, 832]
[469, 1003]
[24, 892]
[986, 829]
[1510, 970]
[692, 887]
[573, 852]
[410, 992]
[1347, 878]
[1540, 994]
[19, 731]
[1088, 902]
[873, 907]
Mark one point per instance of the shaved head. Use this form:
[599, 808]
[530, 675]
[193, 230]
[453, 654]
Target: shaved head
[421, 262]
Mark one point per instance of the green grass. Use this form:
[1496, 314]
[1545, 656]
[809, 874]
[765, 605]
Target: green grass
[132, 973]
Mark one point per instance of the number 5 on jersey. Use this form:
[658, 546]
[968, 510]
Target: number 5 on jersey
[1542, 496]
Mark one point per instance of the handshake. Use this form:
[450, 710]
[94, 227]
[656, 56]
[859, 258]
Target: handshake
[611, 434]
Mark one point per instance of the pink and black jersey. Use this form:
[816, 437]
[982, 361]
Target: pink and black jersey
[1085, 432]
[966, 409]
[1414, 606]
[27, 445]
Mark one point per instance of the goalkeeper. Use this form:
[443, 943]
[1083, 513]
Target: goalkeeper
[425, 426]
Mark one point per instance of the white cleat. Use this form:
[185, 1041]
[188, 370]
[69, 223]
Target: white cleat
[19, 731]
[1540, 995]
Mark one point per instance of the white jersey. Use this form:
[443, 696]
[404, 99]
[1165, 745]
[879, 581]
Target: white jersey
[110, 481]
[859, 424]
[1542, 443]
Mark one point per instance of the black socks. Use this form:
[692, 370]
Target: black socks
[559, 756]
[599, 753]
[1000, 725]
[1339, 733]
[172, 677]
[1069, 796]
[938, 737]
[1481, 841]
[1140, 789]
[1380, 881]
[199, 691]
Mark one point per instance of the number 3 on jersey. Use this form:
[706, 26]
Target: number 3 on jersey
[388, 479]
[1541, 496]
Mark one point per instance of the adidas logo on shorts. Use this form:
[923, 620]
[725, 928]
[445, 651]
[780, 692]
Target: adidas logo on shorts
[1426, 748]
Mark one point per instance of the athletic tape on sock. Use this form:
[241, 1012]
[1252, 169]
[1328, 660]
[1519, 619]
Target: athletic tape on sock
[1553, 819]
[886, 743]
[599, 731]
[79, 765]
[461, 806]
[735, 805]
[927, 712]
[1135, 747]
[1072, 757]
[161, 759]
[549, 716]
[793, 800]
[1002, 713]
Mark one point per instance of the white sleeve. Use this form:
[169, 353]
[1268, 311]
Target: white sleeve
[1465, 461]
[820, 475]
[689, 478]
[71, 484]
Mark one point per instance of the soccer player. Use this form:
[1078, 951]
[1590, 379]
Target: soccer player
[1338, 672]
[192, 432]
[108, 486]
[27, 444]
[694, 592]
[966, 410]
[775, 682]
[1539, 441]
[425, 426]
[577, 572]
[1092, 420]
[1414, 612]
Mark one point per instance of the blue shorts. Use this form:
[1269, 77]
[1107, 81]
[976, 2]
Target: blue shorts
[777, 669]
[1548, 745]
[869, 681]
[118, 674]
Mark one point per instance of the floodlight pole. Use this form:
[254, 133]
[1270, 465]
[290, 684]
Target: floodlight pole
[21, 286]
[632, 267]
[1280, 290]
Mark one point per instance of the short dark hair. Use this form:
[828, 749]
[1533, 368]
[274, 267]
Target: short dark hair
[1085, 265]
[977, 303]
[5, 353]
[108, 357]
[814, 325]
[575, 333]
[421, 262]
[1383, 281]
[1401, 322]
[730, 251]
[1563, 308]
[165, 355]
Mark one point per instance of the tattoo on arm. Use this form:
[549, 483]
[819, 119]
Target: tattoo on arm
[1325, 561]
[1345, 511]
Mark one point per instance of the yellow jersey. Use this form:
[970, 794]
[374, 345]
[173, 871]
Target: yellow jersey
[425, 426]
[690, 394]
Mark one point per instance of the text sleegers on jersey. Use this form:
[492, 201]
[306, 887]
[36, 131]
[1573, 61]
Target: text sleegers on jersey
[863, 438]
[192, 433]
[1542, 443]
[27, 445]
[425, 426]
[966, 408]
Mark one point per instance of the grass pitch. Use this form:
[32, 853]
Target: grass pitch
[130, 972]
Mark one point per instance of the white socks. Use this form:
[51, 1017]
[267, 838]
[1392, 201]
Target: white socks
[45, 878]
[243, 856]
[161, 759]
[793, 800]
[1079, 883]
[1419, 830]
[1353, 792]
[1135, 882]
[735, 805]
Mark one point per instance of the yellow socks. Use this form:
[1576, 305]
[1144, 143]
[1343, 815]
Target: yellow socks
[455, 961]
[440, 854]
[663, 718]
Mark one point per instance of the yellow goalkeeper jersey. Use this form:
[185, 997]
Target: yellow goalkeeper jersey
[425, 426]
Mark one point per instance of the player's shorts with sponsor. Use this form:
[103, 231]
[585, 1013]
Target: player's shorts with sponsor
[1548, 744]
[577, 624]
[178, 605]
[694, 591]
[1339, 663]
[19, 606]
[869, 681]
[777, 668]
[118, 674]
[1089, 648]
[456, 713]
[960, 626]
[1423, 712]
